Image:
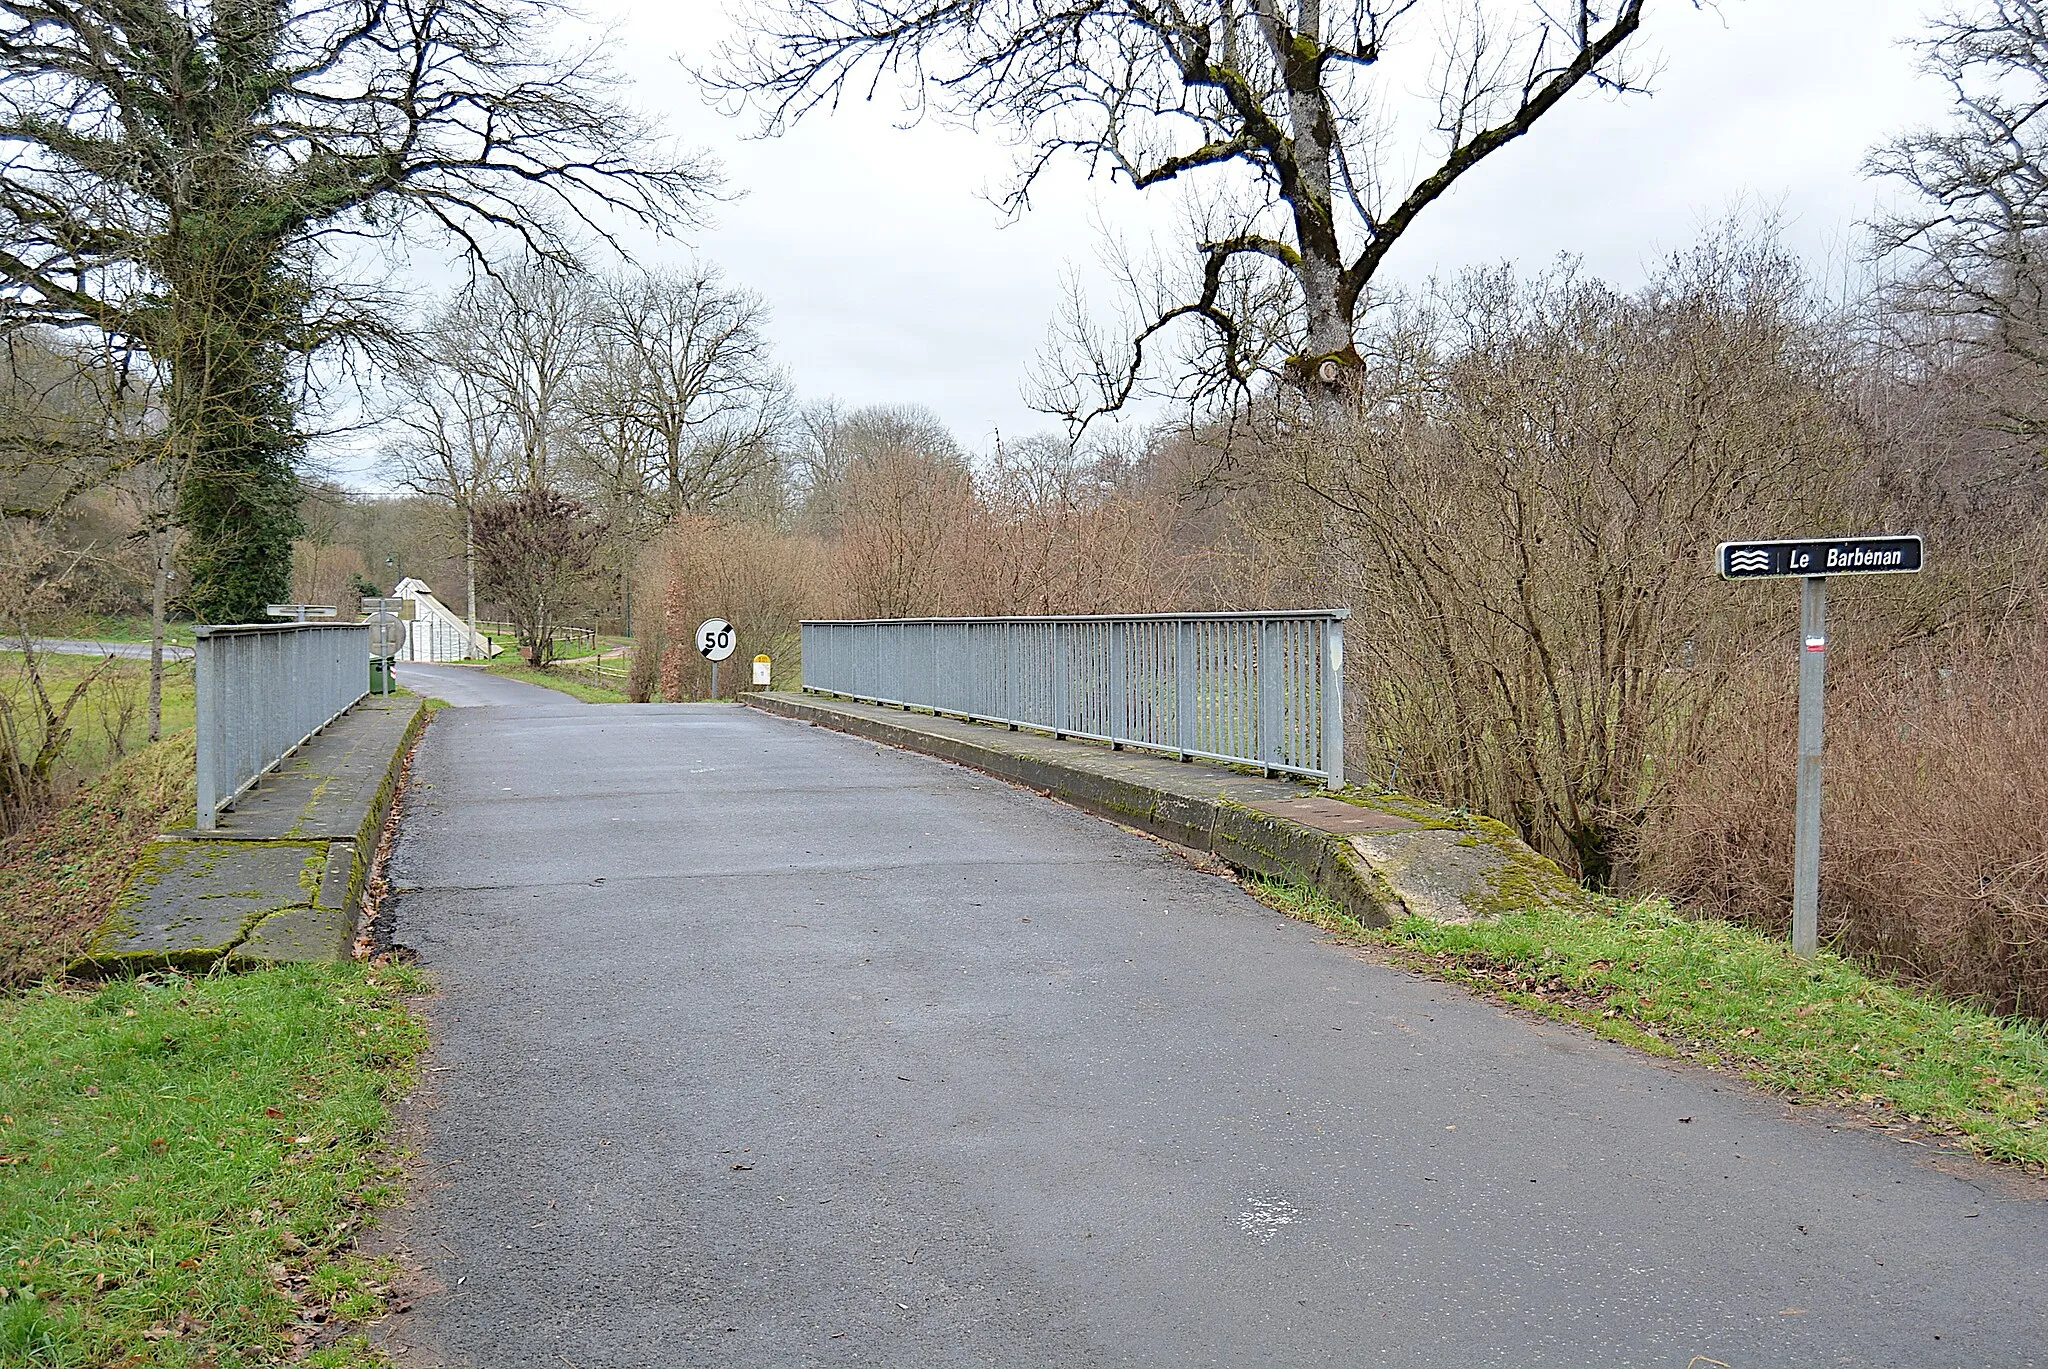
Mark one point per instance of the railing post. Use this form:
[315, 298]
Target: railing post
[1267, 682]
[1333, 702]
[1184, 688]
[203, 673]
[1010, 674]
[1119, 711]
[1061, 690]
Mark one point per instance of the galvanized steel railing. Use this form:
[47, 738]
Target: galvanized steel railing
[1264, 689]
[263, 690]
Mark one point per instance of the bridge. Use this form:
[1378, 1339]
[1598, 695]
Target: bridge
[761, 1043]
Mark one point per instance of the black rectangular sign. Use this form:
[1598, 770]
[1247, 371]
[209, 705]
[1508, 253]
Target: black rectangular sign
[1819, 556]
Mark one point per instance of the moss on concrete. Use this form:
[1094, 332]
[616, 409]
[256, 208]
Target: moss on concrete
[191, 901]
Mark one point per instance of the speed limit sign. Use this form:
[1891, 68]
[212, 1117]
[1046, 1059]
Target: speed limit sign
[715, 639]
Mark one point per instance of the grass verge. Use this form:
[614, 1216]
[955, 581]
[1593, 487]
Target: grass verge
[59, 876]
[118, 628]
[512, 668]
[183, 1163]
[113, 717]
[1818, 1031]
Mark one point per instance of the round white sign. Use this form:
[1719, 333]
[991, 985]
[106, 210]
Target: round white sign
[715, 639]
[387, 634]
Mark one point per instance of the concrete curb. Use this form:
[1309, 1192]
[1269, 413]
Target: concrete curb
[1419, 859]
[194, 900]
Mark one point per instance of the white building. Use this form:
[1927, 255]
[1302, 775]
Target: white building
[437, 632]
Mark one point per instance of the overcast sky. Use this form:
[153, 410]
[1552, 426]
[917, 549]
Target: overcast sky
[892, 279]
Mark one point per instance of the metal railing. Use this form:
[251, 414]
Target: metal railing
[1264, 689]
[263, 691]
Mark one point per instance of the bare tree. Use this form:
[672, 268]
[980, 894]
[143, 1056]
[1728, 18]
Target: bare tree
[682, 360]
[459, 438]
[191, 178]
[1972, 252]
[905, 502]
[522, 342]
[612, 458]
[835, 446]
[82, 414]
[1524, 519]
[535, 551]
[1051, 532]
[1285, 96]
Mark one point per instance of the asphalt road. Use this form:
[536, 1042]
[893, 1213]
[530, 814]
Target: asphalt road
[474, 687]
[130, 651]
[760, 1045]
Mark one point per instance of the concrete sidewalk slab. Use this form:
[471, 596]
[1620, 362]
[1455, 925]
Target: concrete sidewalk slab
[324, 790]
[280, 878]
[1377, 856]
[188, 902]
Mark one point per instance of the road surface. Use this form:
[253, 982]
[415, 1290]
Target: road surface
[474, 687]
[760, 1045]
[128, 651]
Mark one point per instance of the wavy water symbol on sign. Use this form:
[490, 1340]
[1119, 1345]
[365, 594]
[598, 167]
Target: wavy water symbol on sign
[1747, 560]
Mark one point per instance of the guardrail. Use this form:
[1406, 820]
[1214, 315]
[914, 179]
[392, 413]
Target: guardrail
[264, 689]
[1264, 689]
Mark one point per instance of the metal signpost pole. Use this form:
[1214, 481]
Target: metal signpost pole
[1811, 561]
[1813, 674]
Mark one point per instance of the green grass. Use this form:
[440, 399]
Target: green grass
[512, 668]
[118, 628]
[566, 648]
[608, 674]
[117, 708]
[59, 875]
[1817, 1031]
[183, 1163]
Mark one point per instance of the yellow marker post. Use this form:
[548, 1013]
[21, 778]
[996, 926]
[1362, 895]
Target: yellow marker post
[762, 670]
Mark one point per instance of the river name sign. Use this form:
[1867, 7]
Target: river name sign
[1819, 556]
[1811, 560]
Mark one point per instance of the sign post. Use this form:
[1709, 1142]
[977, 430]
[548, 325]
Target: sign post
[1812, 561]
[300, 612]
[404, 608]
[715, 642]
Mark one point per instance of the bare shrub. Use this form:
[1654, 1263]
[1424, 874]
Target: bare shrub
[1935, 814]
[113, 704]
[1524, 522]
[1050, 533]
[905, 515]
[36, 716]
[763, 581]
